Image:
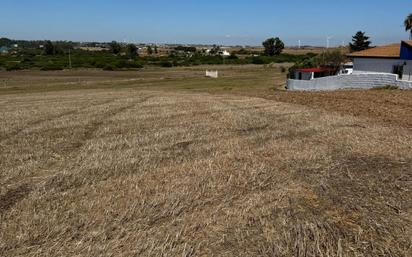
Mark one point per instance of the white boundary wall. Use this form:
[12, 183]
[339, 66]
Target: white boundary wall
[352, 81]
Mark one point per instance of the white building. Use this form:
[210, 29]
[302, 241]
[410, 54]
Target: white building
[224, 53]
[392, 59]
[374, 67]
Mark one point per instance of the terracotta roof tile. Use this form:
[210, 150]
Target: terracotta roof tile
[388, 51]
[408, 42]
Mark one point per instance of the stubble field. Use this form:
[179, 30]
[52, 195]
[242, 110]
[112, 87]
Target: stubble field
[167, 163]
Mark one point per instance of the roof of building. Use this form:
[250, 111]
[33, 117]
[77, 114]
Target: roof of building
[407, 42]
[387, 51]
[313, 70]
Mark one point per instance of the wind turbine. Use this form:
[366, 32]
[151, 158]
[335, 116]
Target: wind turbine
[328, 38]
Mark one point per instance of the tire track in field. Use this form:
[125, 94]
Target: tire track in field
[48, 119]
[13, 196]
[17, 193]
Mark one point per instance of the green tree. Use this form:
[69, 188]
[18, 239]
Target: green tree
[115, 47]
[5, 42]
[149, 50]
[156, 50]
[273, 46]
[332, 59]
[359, 42]
[408, 25]
[49, 48]
[215, 50]
[132, 51]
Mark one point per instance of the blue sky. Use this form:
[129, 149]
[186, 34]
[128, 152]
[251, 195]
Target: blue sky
[243, 22]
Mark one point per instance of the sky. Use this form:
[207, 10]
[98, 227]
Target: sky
[225, 22]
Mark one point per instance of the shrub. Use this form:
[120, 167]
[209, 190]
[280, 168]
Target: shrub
[50, 67]
[121, 64]
[282, 69]
[14, 66]
[166, 64]
[100, 65]
[128, 64]
[108, 67]
[232, 57]
[135, 65]
[258, 60]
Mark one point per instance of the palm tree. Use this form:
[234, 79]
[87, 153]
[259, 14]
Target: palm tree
[408, 24]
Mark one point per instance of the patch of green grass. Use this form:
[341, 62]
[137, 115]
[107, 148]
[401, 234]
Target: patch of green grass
[387, 87]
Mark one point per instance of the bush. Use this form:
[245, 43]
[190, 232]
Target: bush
[14, 66]
[166, 64]
[232, 57]
[121, 64]
[135, 65]
[108, 67]
[282, 69]
[100, 65]
[258, 60]
[50, 67]
[127, 64]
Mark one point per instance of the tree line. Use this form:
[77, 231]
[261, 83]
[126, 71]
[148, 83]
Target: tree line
[53, 55]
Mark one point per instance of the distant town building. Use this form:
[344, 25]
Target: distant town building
[4, 50]
[92, 49]
[224, 53]
[220, 52]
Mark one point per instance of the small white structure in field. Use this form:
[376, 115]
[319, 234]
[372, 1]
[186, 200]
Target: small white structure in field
[224, 53]
[212, 74]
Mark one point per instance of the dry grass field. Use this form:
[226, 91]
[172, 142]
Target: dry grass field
[168, 163]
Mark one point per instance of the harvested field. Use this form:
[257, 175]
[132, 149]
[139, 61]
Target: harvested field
[386, 106]
[183, 170]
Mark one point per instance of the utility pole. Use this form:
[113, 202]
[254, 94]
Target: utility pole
[70, 60]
